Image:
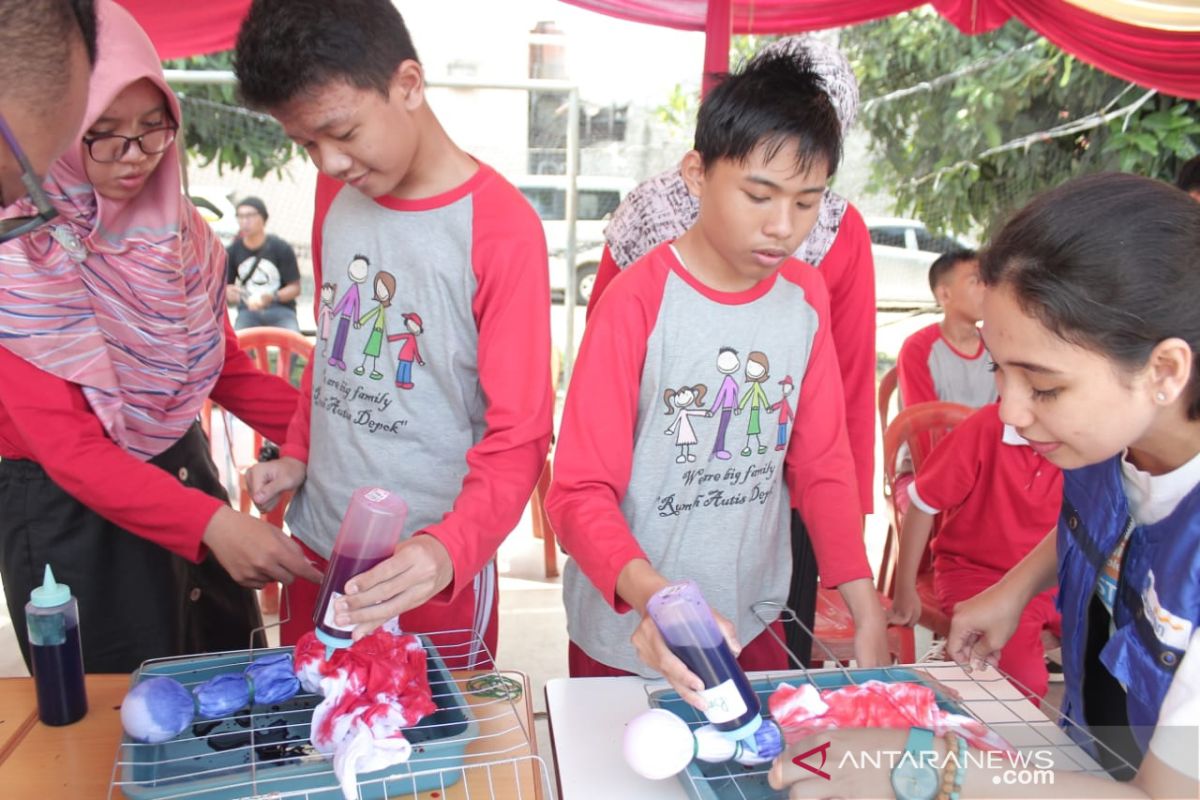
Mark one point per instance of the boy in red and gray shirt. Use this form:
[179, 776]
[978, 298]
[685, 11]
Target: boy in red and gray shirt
[654, 482]
[998, 499]
[947, 360]
[419, 240]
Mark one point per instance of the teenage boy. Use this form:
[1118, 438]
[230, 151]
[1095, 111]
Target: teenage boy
[443, 237]
[631, 516]
[947, 360]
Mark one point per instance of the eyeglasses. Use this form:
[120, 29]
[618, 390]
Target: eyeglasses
[107, 148]
[13, 227]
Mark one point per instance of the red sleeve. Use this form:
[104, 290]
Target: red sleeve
[296, 445]
[593, 458]
[296, 441]
[605, 272]
[951, 471]
[912, 368]
[849, 271]
[265, 402]
[511, 298]
[49, 421]
[819, 468]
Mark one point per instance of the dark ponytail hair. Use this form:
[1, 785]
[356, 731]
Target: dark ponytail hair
[1110, 262]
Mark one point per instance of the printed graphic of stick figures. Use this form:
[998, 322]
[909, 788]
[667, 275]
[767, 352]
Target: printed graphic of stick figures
[409, 351]
[346, 309]
[385, 290]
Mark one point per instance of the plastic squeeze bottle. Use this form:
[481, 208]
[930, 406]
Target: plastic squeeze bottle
[686, 623]
[52, 619]
[371, 529]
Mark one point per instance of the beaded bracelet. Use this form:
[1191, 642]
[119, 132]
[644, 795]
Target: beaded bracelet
[955, 769]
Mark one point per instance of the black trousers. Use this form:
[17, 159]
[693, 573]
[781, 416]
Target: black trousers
[136, 600]
[802, 594]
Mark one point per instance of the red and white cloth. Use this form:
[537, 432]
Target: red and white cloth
[803, 710]
[373, 690]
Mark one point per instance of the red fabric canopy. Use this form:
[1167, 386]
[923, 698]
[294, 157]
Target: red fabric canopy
[1161, 59]
[194, 28]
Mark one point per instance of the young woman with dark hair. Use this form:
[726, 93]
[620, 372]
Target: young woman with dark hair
[1092, 322]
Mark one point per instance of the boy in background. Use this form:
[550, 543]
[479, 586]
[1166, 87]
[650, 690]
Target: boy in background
[412, 227]
[997, 498]
[724, 302]
[263, 278]
[947, 360]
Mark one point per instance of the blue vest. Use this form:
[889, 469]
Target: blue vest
[1157, 603]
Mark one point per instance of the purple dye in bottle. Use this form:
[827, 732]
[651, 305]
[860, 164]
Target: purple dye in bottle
[690, 631]
[58, 676]
[371, 529]
[726, 686]
[340, 570]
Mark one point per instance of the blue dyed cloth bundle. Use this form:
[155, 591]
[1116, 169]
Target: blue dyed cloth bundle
[160, 708]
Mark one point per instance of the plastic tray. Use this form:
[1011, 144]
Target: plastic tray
[269, 750]
[705, 781]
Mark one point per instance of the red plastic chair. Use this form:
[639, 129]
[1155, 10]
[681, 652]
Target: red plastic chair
[834, 628]
[284, 353]
[887, 388]
[921, 427]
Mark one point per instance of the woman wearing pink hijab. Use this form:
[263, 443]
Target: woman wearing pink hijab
[113, 333]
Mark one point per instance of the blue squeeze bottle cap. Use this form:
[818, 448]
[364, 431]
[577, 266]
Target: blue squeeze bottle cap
[50, 593]
[331, 642]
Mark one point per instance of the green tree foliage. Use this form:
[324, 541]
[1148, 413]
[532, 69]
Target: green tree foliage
[216, 127]
[968, 128]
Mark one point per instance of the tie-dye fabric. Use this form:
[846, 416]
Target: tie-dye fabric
[123, 298]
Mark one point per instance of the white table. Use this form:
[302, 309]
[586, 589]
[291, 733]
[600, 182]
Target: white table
[588, 715]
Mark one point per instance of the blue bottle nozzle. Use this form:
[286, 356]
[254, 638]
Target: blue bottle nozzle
[332, 643]
[50, 593]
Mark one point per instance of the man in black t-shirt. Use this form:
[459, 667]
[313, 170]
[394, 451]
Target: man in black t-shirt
[262, 276]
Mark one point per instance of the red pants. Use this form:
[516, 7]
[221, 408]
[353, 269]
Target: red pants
[454, 627]
[763, 653]
[1024, 657]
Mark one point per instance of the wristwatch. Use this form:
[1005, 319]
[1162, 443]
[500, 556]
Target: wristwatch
[915, 776]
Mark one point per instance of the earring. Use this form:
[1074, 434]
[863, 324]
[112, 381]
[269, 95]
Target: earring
[1161, 397]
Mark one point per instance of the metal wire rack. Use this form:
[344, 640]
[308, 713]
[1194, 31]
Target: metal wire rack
[479, 743]
[992, 698]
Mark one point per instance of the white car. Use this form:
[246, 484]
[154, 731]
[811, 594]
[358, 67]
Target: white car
[598, 199]
[216, 206]
[587, 262]
[903, 250]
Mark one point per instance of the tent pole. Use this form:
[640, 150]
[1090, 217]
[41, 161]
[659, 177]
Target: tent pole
[718, 30]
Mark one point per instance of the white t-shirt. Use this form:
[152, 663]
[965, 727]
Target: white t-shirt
[1176, 738]
[1153, 497]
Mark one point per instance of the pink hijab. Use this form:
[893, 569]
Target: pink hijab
[123, 298]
